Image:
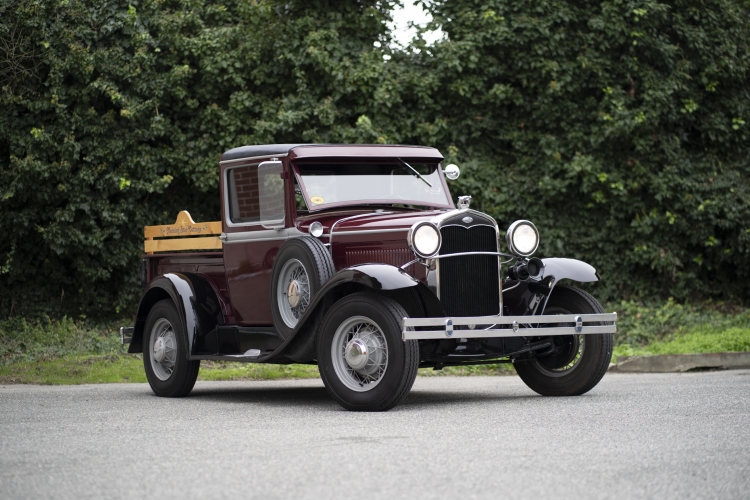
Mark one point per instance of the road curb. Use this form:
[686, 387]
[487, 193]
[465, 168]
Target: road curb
[681, 362]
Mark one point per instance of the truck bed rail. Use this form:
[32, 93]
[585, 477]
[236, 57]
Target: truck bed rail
[184, 234]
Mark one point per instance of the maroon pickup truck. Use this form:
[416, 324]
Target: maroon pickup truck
[355, 258]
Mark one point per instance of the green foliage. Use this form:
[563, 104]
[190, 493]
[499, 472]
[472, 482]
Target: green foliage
[115, 114]
[75, 369]
[640, 325]
[618, 127]
[705, 339]
[613, 125]
[29, 340]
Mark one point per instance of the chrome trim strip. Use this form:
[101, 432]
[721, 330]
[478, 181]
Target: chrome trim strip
[369, 231]
[470, 253]
[512, 321]
[264, 235]
[252, 158]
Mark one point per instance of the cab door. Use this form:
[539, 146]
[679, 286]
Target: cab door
[253, 217]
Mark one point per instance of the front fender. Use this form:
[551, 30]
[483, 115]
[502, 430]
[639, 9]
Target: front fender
[530, 296]
[376, 277]
[195, 299]
[571, 269]
[385, 279]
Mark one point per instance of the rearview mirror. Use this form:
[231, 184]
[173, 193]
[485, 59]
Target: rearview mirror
[452, 172]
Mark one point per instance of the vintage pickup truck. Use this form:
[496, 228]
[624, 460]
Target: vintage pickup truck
[355, 258]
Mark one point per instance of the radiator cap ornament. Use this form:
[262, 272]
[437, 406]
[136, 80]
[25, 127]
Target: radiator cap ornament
[464, 201]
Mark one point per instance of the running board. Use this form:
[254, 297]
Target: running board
[510, 326]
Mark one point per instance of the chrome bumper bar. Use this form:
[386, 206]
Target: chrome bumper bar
[507, 326]
[126, 334]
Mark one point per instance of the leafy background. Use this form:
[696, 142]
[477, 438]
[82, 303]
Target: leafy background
[618, 127]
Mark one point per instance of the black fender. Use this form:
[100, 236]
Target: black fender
[570, 269]
[194, 297]
[386, 279]
[530, 296]
[413, 295]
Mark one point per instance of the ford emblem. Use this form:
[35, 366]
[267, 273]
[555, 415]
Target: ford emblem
[467, 220]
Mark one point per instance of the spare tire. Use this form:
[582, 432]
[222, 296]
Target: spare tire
[300, 268]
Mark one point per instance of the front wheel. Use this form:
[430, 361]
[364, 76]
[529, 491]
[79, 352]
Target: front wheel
[363, 361]
[577, 362]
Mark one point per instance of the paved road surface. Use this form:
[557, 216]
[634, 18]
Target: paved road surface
[633, 436]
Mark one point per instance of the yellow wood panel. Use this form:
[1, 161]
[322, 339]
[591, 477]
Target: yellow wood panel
[183, 226]
[172, 245]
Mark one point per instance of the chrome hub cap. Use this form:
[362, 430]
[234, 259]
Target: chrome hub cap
[164, 349]
[159, 347]
[355, 353]
[360, 353]
[292, 292]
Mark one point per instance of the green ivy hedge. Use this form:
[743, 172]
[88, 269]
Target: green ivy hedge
[618, 127]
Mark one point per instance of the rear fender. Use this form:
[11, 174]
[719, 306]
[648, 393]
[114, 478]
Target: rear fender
[194, 297]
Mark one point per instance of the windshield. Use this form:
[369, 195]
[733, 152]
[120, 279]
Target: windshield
[325, 184]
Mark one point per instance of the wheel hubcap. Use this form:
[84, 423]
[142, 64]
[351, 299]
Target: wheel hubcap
[292, 293]
[360, 353]
[159, 347]
[356, 354]
[163, 349]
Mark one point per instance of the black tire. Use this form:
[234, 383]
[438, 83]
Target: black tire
[183, 374]
[354, 390]
[317, 264]
[580, 361]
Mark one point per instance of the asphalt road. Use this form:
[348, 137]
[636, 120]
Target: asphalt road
[633, 436]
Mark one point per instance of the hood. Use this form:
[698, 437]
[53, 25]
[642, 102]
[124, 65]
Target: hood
[366, 220]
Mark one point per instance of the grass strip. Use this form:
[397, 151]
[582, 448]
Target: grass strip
[703, 339]
[113, 368]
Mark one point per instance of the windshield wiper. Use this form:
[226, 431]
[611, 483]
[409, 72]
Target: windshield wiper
[415, 171]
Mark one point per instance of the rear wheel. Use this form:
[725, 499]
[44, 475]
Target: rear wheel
[577, 362]
[363, 361]
[165, 353]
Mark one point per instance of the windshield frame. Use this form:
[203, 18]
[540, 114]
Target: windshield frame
[311, 207]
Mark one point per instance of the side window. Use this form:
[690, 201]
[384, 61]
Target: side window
[244, 200]
[271, 187]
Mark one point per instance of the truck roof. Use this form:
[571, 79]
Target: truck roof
[322, 150]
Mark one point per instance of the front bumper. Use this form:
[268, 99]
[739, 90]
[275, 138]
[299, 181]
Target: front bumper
[508, 326]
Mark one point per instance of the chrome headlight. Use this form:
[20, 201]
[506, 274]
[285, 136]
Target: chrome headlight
[424, 239]
[522, 238]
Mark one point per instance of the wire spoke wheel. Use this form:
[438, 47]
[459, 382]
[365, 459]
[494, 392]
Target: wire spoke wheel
[163, 344]
[293, 292]
[360, 353]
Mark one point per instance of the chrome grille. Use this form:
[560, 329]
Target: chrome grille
[469, 285]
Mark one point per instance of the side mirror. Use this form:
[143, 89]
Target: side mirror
[452, 172]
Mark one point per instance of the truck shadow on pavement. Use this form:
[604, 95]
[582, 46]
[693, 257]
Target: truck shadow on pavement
[317, 397]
